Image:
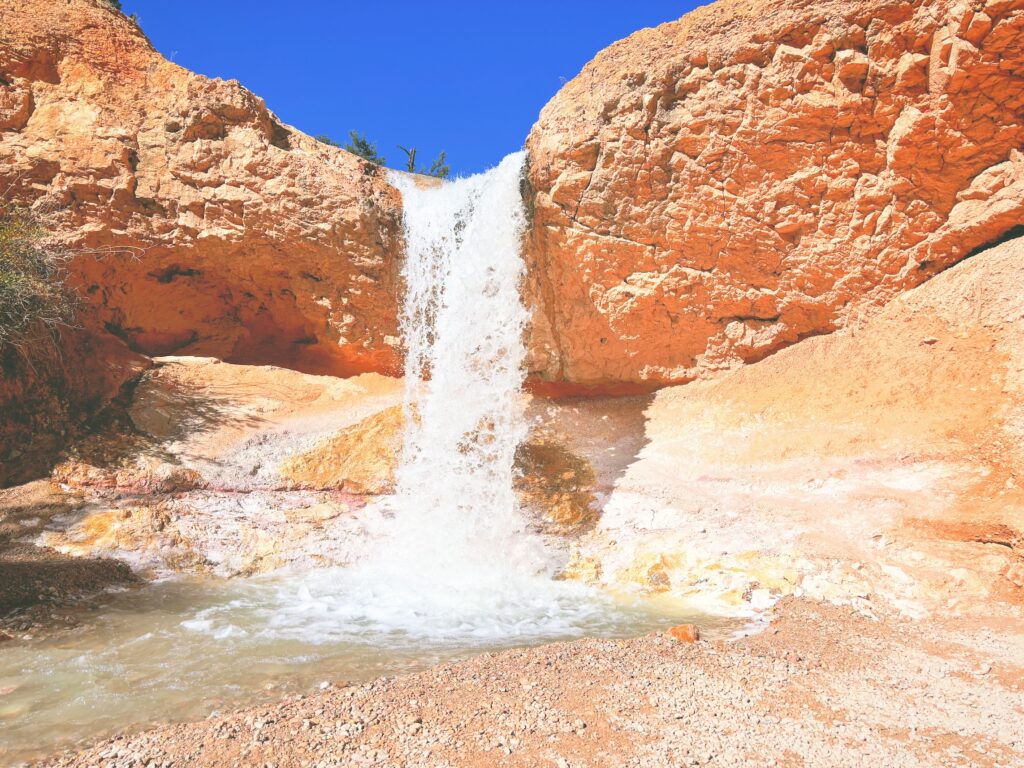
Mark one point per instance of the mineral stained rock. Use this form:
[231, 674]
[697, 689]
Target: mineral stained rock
[877, 466]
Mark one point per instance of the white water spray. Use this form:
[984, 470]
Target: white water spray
[453, 561]
[456, 514]
[456, 555]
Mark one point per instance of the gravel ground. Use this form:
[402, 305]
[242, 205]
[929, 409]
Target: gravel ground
[821, 686]
[37, 583]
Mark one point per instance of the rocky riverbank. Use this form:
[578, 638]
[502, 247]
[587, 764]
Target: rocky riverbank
[822, 686]
[895, 507]
[806, 213]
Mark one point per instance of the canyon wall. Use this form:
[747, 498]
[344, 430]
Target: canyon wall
[201, 223]
[701, 195]
[198, 223]
[877, 465]
[719, 187]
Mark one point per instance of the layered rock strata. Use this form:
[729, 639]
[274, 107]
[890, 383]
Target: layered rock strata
[201, 223]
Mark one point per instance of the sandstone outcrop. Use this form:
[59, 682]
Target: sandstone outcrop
[703, 194]
[714, 189]
[360, 459]
[239, 469]
[879, 466]
[202, 224]
[553, 483]
[37, 576]
[193, 482]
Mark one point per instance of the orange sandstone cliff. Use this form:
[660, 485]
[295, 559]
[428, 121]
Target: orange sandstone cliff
[755, 173]
[701, 195]
[202, 224]
[199, 223]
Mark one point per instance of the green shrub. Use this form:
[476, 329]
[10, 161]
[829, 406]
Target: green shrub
[359, 145]
[363, 147]
[33, 297]
[439, 167]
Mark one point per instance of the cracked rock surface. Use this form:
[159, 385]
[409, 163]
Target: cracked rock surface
[711, 190]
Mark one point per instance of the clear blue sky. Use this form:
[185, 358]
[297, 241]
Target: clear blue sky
[468, 77]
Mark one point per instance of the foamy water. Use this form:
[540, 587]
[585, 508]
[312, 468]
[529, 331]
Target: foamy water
[452, 558]
[181, 649]
[455, 556]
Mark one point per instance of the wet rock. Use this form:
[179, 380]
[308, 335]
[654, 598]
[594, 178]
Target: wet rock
[360, 459]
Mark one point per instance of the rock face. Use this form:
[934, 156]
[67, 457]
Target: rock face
[193, 481]
[719, 187]
[703, 194]
[238, 469]
[553, 482]
[202, 224]
[45, 401]
[361, 459]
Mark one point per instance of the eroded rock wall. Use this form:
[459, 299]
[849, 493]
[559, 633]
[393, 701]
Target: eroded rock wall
[877, 466]
[719, 187]
[202, 224]
[50, 391]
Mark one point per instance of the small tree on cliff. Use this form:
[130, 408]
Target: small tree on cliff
[359, 145]
[438, 168]
[325, 139]
[410, 158]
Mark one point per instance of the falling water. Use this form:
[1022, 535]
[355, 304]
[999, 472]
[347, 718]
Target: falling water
[455, 510]
[451, 560]
[456, 556]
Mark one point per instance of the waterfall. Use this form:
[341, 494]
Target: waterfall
[463, 323]
[450, 560]
[452, 566]
[455, 556]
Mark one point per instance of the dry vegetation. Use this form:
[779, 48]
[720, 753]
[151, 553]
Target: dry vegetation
[33, 297]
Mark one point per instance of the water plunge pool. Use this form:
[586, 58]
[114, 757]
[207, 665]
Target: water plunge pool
[181, 649]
